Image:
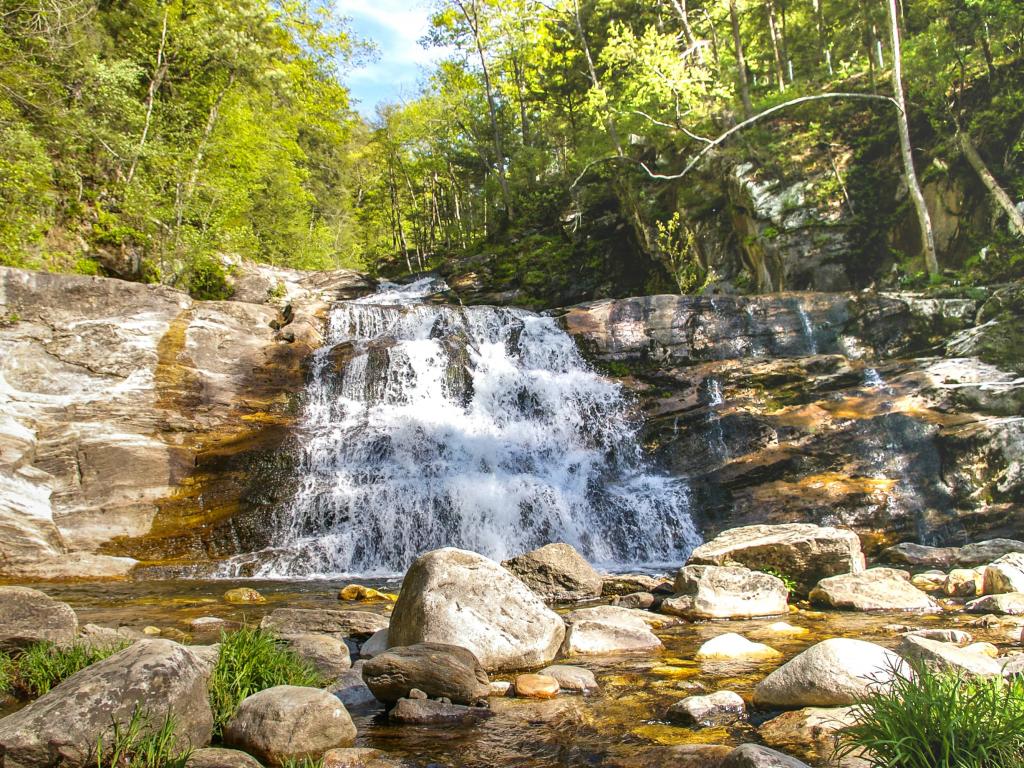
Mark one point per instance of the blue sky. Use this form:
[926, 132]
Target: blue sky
[395, 26]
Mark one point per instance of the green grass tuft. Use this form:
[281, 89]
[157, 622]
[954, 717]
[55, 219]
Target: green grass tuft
[131, 748]
[941, 719]
[44, 665]
[6, 674]
[250, 661]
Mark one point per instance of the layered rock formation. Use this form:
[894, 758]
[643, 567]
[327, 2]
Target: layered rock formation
[133, 419]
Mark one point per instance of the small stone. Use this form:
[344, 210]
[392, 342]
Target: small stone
[719, 708]
[735, 646]
[244, 596]
[500, 687]
[359, 593]
[572, 678]
[416, 693]
[536, 687]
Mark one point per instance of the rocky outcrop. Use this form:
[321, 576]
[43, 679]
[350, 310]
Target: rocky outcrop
[130, 416]
[558, 573]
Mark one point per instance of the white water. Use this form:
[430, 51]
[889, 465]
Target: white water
[474, 427]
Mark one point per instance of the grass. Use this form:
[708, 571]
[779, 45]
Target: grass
[44, 665]
[250, 661]
[6, 674]
[941, 719]
[131, 747]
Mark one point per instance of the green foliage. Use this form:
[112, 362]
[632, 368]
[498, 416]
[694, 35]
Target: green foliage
[941, 719]
[7, 670]
[208, 278]
[132, 747]
[44, 665]
[789, 581]
[250, 661]
[305, 762]
[678, 243]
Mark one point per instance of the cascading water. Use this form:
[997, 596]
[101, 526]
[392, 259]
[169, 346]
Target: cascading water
[478, 427]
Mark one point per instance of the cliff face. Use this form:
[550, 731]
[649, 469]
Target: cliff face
[131, 416]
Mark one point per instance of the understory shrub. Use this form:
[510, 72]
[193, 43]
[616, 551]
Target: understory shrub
[940, 719]
[131, 748]
[250, 660]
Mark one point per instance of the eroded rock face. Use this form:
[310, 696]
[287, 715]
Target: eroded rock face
[454, 596]
[28, 616]
[112, 393]
[558, 573]
[724, 592]
[440, 671]
[63, 726]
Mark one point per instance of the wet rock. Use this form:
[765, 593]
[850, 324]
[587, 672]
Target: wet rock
[812, 734]
[784, 629]
[441, 671]
[376, 644]
[361, 594]
[319, 621]
[755, 756]
[804, 552]
[328, 655]
[718, 708]
[920, 556]
[1005, 575]
[360, 757]
[723, 592]
[434, 712]
[558, 573]
[536, 686]
[289, 722]
[64, 725]
[876, 589]
[949, 656]
[500, 688]
[676, 756]
[571, 678]
[955, 636]
[244, 596]
[1008, 603]
[451, 595]
[214, 757]
[352, 691]
[963, 582]
[736, 647]
[640, 600]
[211, 624]
[607, 629]
[833, 673]
[625, 584]
[28, 616]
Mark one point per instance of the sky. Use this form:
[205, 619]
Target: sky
[395, 26]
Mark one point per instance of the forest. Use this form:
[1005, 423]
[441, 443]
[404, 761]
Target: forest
[558, 144]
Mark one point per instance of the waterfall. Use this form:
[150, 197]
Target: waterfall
[430, 425]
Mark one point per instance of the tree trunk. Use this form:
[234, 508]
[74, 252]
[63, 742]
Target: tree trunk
[741, 60]
[991, 184]
[823, 49]
[924, 221]
[154, 85]
[773, 30]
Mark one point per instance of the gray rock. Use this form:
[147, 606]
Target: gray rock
[949, 656]
[641, 600]
[95, 636]
[954, 636]
[63, 726]
[360, 757]
[558, 573]
[572, 678]
[434, 712]
[289, 722]
[377, 643]
[213, 757]
[724, 592]
[607, 629]
[983, 552]
[327, 654]
[832, 673]
[1005, 574]
[321, 621]
[803, 552]
[28, 616]
[718, 708]
[1006, 603]
[352, 691]
[812, 734]
[451, 595]
[755, 756]
[876, 589]
[919, 556]
[437, 670]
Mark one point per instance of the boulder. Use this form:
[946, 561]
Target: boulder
[434, 712]
[28, 616]
[919, 556]
[359, 757]
[63, 726]
[606, 629]
[572, 678]
[319, 621]
[984, 552]
[964, 582]
[244, 596]
[1006, 603]
[832, 673]
[812, 734]
[558, 573]
[755, 756]
[628, 583]
[735, 647]
[930, 581]
[955, 636]
[1005, 575]
[640, 600]
[95, 636]
[725, 592]
[327, 654]
[454, 596]
[440, 671]
[804, 552]
[949, 656]
[536, 687]
[352, 691]
[876, 589]
[213, 757]
[718, 708]
[377, 643]
[289, 722]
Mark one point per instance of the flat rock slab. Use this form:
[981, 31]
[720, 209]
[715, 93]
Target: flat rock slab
[321, 621]
[606, 629]
[28, 616]
[876, 589]
[440, 671]
[949, 656]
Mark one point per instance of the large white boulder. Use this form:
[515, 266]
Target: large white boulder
[832, 673]
[725, 592]
[461, 598]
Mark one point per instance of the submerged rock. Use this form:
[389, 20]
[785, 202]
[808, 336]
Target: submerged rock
[319, 621]
[558, 573]
[289, 722]
[361, 594]
[832, 673]
[28, 616]
[63, 726]
[440, 671]
[876, 589]
[803, 552]
[736, 647]
[725, 592]
[434, 712]
[607, 629]
[719, 708]
[244, 596]
[454, 596]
